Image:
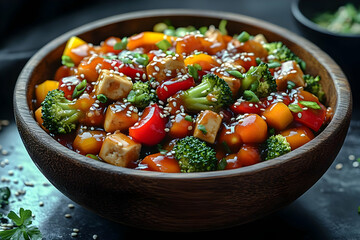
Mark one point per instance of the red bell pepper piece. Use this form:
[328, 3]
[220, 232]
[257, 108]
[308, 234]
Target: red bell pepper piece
[130, 70]
[150, 129]
[170, 87]
[312, 118]
[246, 107]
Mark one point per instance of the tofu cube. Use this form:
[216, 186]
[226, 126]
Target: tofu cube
[119, 150]
[112, 85]
[163, 68]
[120, 116]
[290, 71]
[207, 126]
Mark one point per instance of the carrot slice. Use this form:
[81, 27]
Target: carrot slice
[278, 116]
[252, 129]
[161, 163]
[297, 136]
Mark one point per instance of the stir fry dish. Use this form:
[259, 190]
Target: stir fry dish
[182, 99]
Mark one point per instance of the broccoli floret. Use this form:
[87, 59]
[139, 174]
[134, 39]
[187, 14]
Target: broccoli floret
[259, 80]
[59, 113]
[275, 146]
[212, 93]
[194, 155]
[312, 84]
[141, 94]
[282, 53]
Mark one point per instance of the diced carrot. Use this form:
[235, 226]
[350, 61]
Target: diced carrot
[250, 46]
[278, 116]
[89, 142]
[84, 102]
[297, 136]
[161, 163]
[63, 71]
[89, 68]
[252, 129]
[42, 89]
[232, 162]
[181, 126]
[146, 39]
[228, 139]
[249, 155]
[206, 61]
[38, 118]
[307, 96]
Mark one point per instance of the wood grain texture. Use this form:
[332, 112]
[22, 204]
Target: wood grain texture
[182, 202]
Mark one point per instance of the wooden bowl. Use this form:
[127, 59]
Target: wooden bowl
[193, 201]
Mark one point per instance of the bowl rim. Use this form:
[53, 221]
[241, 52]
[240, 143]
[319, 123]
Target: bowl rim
[25, 116]
[301, 18]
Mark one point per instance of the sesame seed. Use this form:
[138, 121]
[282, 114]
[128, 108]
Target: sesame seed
[356, 164]
[95, 236]
[299, 115]
[351, 157]
[71, 206]
[74, 234]
[68, 215]
[339, 166]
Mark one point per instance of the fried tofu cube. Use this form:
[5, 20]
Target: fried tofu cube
[120, 116]
[290, 71]
[163, 68]
[207, 126]
[119, 150]
[113, 86]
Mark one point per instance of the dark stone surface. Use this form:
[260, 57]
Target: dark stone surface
[329, 210]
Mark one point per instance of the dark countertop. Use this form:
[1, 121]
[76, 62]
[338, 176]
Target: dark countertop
[329, 210]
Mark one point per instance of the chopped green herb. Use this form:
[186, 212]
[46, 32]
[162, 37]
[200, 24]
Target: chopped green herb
[290, 85]
[170, 53]
[160, 27]
[79, 89]
[222, 27]
[222, 164]
[193, 70]
[295, 108]
[4, 196]
[235, 73]
[250, 96]
[67, 61]
[203, 30]
[202, 128]
[244, 36]
[226, 147]
[163, 45]
[141, 58]
[92, 156]
[22, 229]
[102, 98]
[122, 44]
[358, 209]
[274, 64]
[160, 149]
[309, 104]
[188, 118]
